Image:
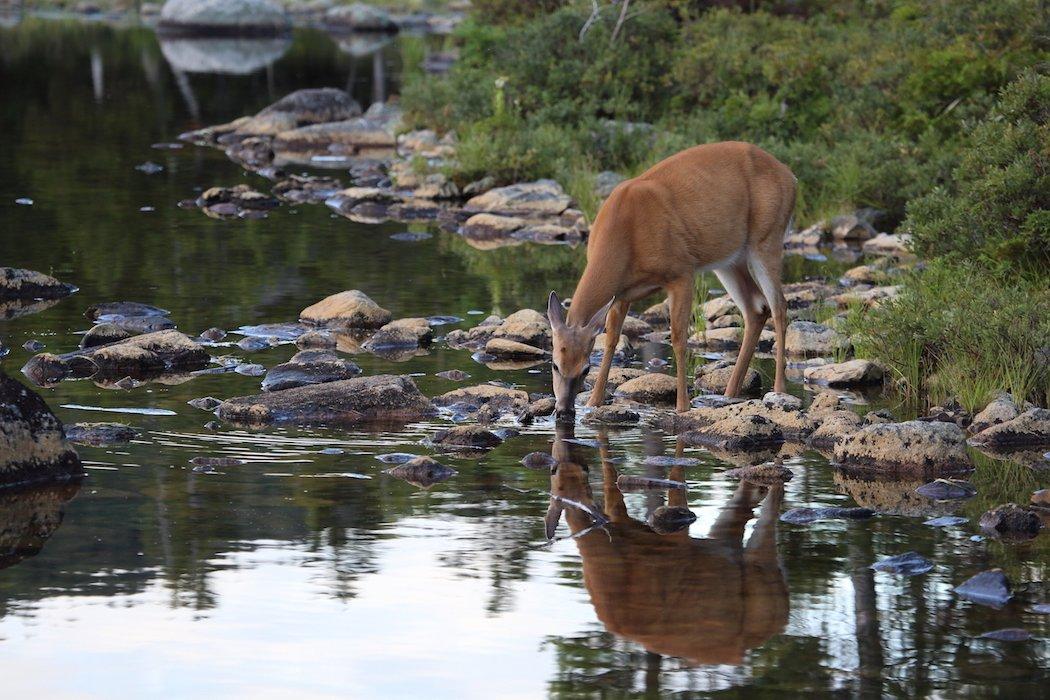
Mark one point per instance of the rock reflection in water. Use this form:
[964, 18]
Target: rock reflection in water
[29, 517]
[227, 56]
[705, 600]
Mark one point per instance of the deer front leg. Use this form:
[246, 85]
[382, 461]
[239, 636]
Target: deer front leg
[613, 326]
[680, 301]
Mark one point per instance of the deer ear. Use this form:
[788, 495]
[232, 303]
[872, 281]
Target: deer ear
[555, 311]
[597, 323]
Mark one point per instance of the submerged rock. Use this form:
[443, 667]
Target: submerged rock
[346, 310]
[649, 389]
[33, 447]
[907, 564]
[422, 471]
[17, 283]
[913, 446]
[362, 399]
[947, 489]
[1012, 520]
[100, 433]
[841, 374]
[611, 415]
[1009, 634]
[123, 309]
[306, 188]
[309, 367]
[467, 438]
[453, 375]
[1030, 428]
[233, 17]
[805, 516]
[990, 588]
[666, 520]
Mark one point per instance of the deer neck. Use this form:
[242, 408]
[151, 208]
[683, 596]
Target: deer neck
[594, 290]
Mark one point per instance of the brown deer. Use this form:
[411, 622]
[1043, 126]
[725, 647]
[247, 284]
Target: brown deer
[705, 600]
[721, 207]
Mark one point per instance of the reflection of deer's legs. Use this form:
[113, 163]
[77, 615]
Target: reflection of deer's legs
[615, 509]
[763, 540]
[677, 497]
[729, 526]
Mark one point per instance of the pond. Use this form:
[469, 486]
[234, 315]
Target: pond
[290, 573]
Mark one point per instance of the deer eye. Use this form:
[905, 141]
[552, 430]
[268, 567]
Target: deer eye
[586, 370]
[555, 366]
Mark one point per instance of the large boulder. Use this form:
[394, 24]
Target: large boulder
[1000, 410]
[17, 283]
[1031, 428]
[33, 447]
[912, 447]
[309, 367]
[834, 427]
[737, 432]
[401, 334]
[301, 108]
[381, 398]
[226, 17]
[651, 388]
[525, 326]
[540, 198]
[346, 310]
[850, 373]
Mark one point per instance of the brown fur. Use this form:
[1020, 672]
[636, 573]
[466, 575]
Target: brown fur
[721, 206]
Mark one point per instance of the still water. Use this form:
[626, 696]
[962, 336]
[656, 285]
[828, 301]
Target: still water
[275, 577]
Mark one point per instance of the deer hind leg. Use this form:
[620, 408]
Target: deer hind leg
[752, 304]
[766, 268]
[680, 301]
[613, 326]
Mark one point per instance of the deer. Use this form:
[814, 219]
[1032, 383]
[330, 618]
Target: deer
[723, 207]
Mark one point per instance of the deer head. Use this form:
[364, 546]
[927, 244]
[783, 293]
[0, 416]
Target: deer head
[571, 359]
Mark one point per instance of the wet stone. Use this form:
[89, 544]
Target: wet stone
[907, 564]
[805, 516]
[763, 474]
[134, 325]
[453, 375]
[947, 489]
[125, 309]
[466, 437]
[1011, 520]
[103, 334]
[309, 367]
[946, 521]
[666, 520]
[396, 457]
[350, 309]
[205, 403]
[250, 370]
[18, 283]
[611, 415]
[212, 335]
[254, 344]
[991, 588]
[538, 460]
[422, 471]
[33, 345]
[99, 433]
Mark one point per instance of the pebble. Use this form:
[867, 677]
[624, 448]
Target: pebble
[33, 345]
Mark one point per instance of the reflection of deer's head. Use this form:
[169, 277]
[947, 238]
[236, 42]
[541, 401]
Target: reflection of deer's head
[705, 600]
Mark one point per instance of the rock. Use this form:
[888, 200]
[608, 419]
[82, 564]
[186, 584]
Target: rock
[875, 274]
[1031, 428]
[826, 403]
[205, 403]
[657, 315]
[548, 234]
[107, 311]
[103, 334]
[842, 374]
[538, 460]
[453, 375]
[359, 17]
[868, 298]
[1000, 410]
[713, 377]
[605, 182]
[305, 188]
[135, 325]
[649, 389]
[33, 345]
[316, 340]
[611, 415]
[20, 284]
[538, 199]
[617, 376]
[806, 338]
[768, 474]
[782, 402]
[946, 521]
[1009, 634]
[226, 202]
[352, 137]
[805, 516]
[402, 333]
[33, 447]
[907, 564]
[422, 471]
[719, 306]
[913, 446]
[896, 244]
[503, 349]
[880, 416]
[345, 310]
[540, 408]
[737, 432]
[489, 227]
[635, 328]
[297, 109]
[466, 437]
[309, 367]
[1012, 520]
[211, 335]
[500, 399]
[628, 482]
[807, 238]
[1041, 498]
[250, 369]
[666, 520]
[227, 17]
[851, 228]
[947, 489]
[621, 353]
[99, 433]
[362, 399]
[990, 588]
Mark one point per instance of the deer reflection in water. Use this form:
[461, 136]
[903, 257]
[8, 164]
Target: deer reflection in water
[705, 600]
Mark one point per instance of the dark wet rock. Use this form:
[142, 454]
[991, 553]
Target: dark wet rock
[539, 198]
[611, 415]
[380, 398]
[349, 309]
[306, 188]
[100, 433]
[212, 425]
[467, 438]
[228, 17]
[947, 489]
[946, 521]
[402, 333]
[205, 403]
[316, 340]
[538, 460]
[1009, 634]
[907, 564]
[396, 457]
[309, 367]
[359, 17]
[225, 202]
[540, 408]
[913, 446]
[17, 283]
[805, 516]
[628, 482]
[212, 335]
[658, 389]
[991, 588]
[1000, 410]
[33, 447]
[764, 474]
[422, 471]
[140, 357]
[1012, 520]
[737, 432]
[500, 399]
[1031, 428]
[713, 377]
[666, 520]
[414, 210]
[104, 334]
[33, 345]
[840, 374]
[453, 375]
